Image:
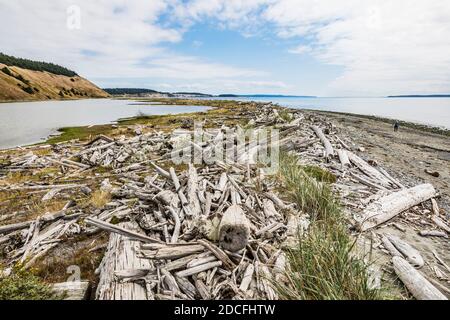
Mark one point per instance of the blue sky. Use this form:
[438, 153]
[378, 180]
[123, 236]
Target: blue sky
[303, 47]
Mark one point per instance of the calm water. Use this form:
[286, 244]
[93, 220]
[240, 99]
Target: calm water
[429, 111]
[25, 123]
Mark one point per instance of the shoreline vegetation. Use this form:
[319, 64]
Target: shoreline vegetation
[323, 260]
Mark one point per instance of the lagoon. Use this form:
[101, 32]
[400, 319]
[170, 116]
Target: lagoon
[24, 123]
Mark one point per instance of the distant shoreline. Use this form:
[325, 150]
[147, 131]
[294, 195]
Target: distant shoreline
[422, 96]
[413, 125]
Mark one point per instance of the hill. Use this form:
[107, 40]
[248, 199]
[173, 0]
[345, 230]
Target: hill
[129, 91]
[27, 80]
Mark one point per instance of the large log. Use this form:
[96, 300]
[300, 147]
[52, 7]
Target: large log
[329, 151]
[389, 206]
[410, 253]
[122, 255]
[343, 157]
[234, 229]
[368, 170]
[419, 287]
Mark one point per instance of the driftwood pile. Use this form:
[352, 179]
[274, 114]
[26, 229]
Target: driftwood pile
[215, 230]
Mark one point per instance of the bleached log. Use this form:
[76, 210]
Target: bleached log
[160, 170]
[277, 201]
[122, 254]
[433, 233]
[435, 207]
[269, 210]
[172, 252]
[329, 151]
[181, 196]
[97, 148]
[198, 269]
[416, 283]
[177, 227]
[389, 206]
[45, 218]
[247, 277]
[368, 170]
[440, 223]
[234, 229]
[411, 254]
[191, 191]
[343, 158]
[45, 187]
[387, 244]
[219, 253]
[395, 181]
[122, 231]
[50, 195]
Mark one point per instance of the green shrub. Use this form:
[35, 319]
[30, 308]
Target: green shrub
[23, 285]
[7, 71]
[28, 90]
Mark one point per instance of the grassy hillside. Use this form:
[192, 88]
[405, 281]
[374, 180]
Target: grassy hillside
[28, 80]
[17, 84]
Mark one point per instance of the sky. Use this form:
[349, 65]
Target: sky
[297, 47]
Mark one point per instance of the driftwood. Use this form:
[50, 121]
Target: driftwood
[117, 229]
[389, 206]
[419, 287]
[121, 255]
[329, 151]
[234, 229]
[368, 170]
[213, 231]
[411, 254]
[343, 157]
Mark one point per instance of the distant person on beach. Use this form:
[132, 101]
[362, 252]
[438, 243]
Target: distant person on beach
[396, 126]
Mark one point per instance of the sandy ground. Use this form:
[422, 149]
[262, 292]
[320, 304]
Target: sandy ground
[406, 154]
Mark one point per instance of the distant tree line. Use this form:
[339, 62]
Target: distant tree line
[119, 91]
[36, 65]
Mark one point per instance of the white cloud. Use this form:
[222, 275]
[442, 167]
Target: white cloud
[383, 46]
[301, 49]
[117, 39]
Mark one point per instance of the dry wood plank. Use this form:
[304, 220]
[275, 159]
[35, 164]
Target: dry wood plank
[416, 283]
[329, 151]
[122, 231]
[409, 252]
[121, 255]
[197, 269]
[219, 253]
[172, 252]
[389, 206]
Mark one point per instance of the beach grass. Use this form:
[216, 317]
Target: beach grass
[323, 262]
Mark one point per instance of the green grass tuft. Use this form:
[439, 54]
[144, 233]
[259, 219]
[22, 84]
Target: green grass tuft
[323, 263]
